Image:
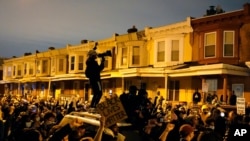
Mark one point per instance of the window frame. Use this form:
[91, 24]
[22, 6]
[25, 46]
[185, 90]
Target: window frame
[172, 46]
[61, 62]
[31, 69]
[45, 66]
[9, 71]
[72, 63]
[135, 55]
[205, 45]
[224, 42]
[124, 56]
[80, 64]
[157, 51]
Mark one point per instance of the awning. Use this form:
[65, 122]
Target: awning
[4, 82]
[213, 69]
[8, 81]
[35, 79]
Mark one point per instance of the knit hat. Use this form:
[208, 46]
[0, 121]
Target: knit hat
[92, 53]
[185, 130]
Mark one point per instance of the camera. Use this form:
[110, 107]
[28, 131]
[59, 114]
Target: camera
[107, 53]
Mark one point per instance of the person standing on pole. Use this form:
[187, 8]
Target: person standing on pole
[93, 73]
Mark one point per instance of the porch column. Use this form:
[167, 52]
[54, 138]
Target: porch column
[166, 87]
[225, 79]
[203, 95]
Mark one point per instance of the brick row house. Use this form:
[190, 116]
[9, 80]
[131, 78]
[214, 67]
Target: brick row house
[210, 53]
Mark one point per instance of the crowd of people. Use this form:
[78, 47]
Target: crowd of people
[168, 122]
[153, 119]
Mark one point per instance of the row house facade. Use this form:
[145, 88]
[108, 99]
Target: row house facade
[221, 45]
[135, 61]
[210, 54]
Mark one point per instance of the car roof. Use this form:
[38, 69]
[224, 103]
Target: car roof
[93, 118]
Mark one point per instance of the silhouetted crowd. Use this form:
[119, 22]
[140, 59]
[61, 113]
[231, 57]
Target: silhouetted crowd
[158, 120]
[154, 119]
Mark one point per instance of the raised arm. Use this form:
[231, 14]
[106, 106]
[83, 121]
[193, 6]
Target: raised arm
[98, 136]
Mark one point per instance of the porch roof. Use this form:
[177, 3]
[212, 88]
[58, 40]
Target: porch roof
[213, 69]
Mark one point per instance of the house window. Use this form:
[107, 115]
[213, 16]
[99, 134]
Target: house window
[14, 70]
[174, 90]
[175, 50]
[19, 70]
[124, 59]
[31, 69]
[136, 55]
[228, 44]
[61, 64]
[212, 85]
[72, 63]
[53, 64]
[38, 67]
[161, 51]
[45, 66]
[25, 69]
[9, 71]
[80, 63]
[210, 44]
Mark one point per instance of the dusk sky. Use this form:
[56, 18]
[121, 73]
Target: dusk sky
[30, 25]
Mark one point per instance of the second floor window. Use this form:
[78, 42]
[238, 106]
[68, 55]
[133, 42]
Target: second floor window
[175, 50]
[25, 69]
[72, 63]
[136, 55]
[14, 71]
[210, 45]
[38, 67]
[9, 71]
[80, 63]
[124, 59]
[61, 64]
[45, 66]
[19, 70]
[228, 46]
[31, 69]
[161, 51]
[53, 64]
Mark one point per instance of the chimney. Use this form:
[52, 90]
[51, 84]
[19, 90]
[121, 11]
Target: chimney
[84, 41]
[211, 11]
[51, 48]
[246, 9]
[133, 29]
